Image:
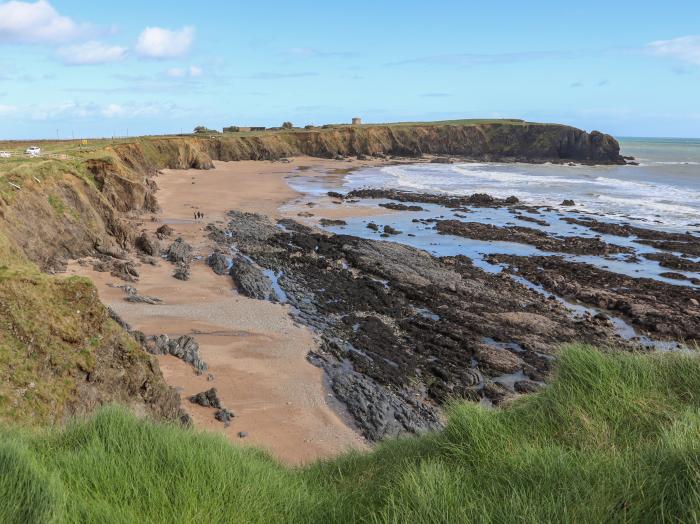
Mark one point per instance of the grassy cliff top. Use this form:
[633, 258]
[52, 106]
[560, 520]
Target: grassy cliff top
[58, 147]
[613, 439]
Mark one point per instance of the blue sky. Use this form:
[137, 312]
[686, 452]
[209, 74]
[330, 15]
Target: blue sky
[102, 68]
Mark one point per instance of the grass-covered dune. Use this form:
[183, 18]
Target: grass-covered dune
[616, 438]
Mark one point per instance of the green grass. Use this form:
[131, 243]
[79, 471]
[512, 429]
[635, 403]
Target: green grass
[616, 438]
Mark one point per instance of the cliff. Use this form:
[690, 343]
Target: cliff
[522, 142]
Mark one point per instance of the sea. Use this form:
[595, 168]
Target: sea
[661, 192]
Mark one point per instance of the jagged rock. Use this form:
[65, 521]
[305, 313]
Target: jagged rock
[218, 262]
[143, 299]
[216, 234]
[512, 200]
[180, 252]
[225, 416]
[401, 207]
[207, 399]
[373, 226]
[148, 244]
[388, 230]
[527, 386]
[125, 270]
[184, 348]
[327, 222]
[164, 231]
[250, 280]
[568, 203]
[242, 434]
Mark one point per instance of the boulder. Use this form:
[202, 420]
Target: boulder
[207, 399]
[148, 244]
[164, 231]
[225, 416]
[218, 262]
[180, 252]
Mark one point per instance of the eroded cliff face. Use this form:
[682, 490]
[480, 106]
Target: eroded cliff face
[487, 142]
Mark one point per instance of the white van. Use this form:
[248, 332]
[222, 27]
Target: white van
[33, 151]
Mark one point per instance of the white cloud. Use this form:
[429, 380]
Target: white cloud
[685, 48]
[156, 42]
[113, 110]
[37, 22]
[180, 72]
[7, 109]
[91, 53]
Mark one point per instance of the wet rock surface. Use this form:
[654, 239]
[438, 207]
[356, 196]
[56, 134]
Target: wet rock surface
[526, 235]
[673, 262]
[401, 207]
[218, 262]
[475, 200]
[659, 308]
[402, 331]
[684, 243]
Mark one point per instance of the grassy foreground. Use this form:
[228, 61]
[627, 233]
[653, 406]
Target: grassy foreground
[615, 439]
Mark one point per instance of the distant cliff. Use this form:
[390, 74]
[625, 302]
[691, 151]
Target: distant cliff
[522, 142]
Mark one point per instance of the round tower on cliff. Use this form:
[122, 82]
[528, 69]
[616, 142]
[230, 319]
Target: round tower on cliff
[357, 121]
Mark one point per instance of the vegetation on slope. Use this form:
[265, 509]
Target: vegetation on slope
[61, 354]
[614, 439]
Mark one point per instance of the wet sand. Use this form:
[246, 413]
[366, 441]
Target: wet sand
[255, 352]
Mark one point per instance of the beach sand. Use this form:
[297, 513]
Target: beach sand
[254, 350]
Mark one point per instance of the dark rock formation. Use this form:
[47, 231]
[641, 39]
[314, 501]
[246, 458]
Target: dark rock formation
[164, 231]
[526, 235]
[184, 348]
[329, 222]
[401, 207]
[180, 252]
[207, 399]
[250, 280]
[401, 331]
[665, 310]
[218, 262]
[148, 244]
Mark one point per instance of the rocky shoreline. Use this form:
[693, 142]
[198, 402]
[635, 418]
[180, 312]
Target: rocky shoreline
[403, 332]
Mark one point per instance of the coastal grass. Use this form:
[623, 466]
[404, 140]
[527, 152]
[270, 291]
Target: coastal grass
[615, 438]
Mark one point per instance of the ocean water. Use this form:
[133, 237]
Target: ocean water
[663, 191]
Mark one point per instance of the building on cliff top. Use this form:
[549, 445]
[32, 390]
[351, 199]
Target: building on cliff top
[357, 121]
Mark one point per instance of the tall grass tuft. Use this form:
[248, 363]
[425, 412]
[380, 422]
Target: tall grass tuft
[615, 438]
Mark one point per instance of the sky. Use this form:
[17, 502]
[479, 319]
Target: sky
[72, 68]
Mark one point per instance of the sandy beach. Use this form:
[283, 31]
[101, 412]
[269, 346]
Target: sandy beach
[255, 352]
